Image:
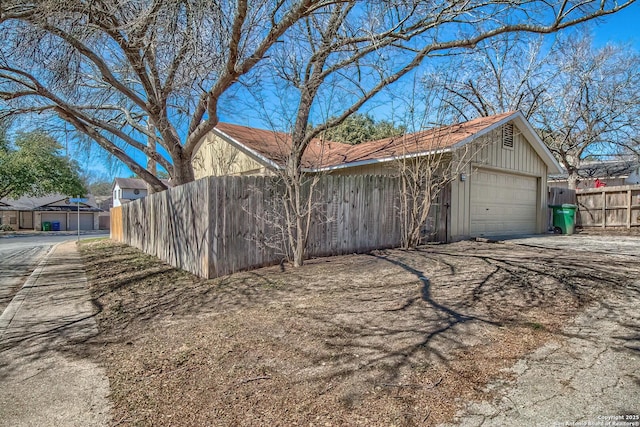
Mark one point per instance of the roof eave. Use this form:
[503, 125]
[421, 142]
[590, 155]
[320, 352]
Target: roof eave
[374, 161]
[553, 167]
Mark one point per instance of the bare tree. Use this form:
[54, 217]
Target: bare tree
[508, 73]
[338, 60]
[122, 72]
[593, 106]
[583, 100]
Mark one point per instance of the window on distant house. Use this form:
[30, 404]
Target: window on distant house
[136, 191]
[507, 136]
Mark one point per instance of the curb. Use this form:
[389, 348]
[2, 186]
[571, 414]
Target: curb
[14, 306]
[9, 235]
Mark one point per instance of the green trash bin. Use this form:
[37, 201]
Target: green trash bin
[46, 226]
[564, 218]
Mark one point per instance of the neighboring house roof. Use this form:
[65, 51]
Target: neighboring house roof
[272, 148]
[135, 183]
[104, 202]
[47, 203]
[619, 168]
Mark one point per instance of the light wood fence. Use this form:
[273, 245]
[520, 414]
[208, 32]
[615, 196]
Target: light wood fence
[115, 230]
[609, 207]
[219, 225]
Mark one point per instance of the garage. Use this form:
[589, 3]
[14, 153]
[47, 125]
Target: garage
[86, 221]
[61, 217]
[503, 204]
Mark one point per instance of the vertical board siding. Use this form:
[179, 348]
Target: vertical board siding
[220, 225]
[522, 158]
[488, 152]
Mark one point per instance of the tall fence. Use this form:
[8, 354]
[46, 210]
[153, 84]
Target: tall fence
[219, 225]
[609, 207]
[115, 226]
[559, 196]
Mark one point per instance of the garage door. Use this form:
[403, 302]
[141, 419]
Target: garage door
[61, 217]
[86, 221]
[502, 204]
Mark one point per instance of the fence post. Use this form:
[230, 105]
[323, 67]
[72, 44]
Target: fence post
[604, 209]
[629, 200]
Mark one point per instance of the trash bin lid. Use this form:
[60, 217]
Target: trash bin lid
[568, 206]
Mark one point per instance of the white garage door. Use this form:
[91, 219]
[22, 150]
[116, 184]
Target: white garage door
[502, 204]
[86, 221]
[60, 217]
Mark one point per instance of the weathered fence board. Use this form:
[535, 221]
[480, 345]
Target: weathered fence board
[559, 196]
[115, 231]
[219, 225]
[609, 207]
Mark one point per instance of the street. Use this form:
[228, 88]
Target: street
[19, 256]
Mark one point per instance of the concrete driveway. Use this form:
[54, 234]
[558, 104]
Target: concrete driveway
[590, 374]
[611, 245]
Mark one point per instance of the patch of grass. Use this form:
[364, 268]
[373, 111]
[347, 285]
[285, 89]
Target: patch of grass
[536, 326]
[93, 240]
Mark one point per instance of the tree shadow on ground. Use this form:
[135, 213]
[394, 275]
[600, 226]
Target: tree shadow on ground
[420, 325]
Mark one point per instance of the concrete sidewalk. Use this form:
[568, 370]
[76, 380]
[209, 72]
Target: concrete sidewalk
[42, 382]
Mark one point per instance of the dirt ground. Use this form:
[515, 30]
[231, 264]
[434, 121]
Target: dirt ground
[389, 338]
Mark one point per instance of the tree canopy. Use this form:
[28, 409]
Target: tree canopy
[361, 128]
[33, 166]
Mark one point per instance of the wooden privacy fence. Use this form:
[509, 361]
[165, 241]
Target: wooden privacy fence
[559, 196]
[219, 225]
[609, 207]
[116, 224]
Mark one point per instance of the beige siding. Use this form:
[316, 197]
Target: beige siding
[521, 159]
[216, 157]
[488, 154]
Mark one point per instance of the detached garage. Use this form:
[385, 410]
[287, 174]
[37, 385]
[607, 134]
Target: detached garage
[503, 190]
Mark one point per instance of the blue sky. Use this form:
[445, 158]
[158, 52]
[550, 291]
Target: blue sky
[622, 27]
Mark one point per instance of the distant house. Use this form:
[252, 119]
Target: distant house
[128, 189]
[610, 173]
[502, 191]
[29, 213]
[105, 203]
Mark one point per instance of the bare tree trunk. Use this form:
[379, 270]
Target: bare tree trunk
[572, 180]
[151, 163]
[297, 215]
[182, 171]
